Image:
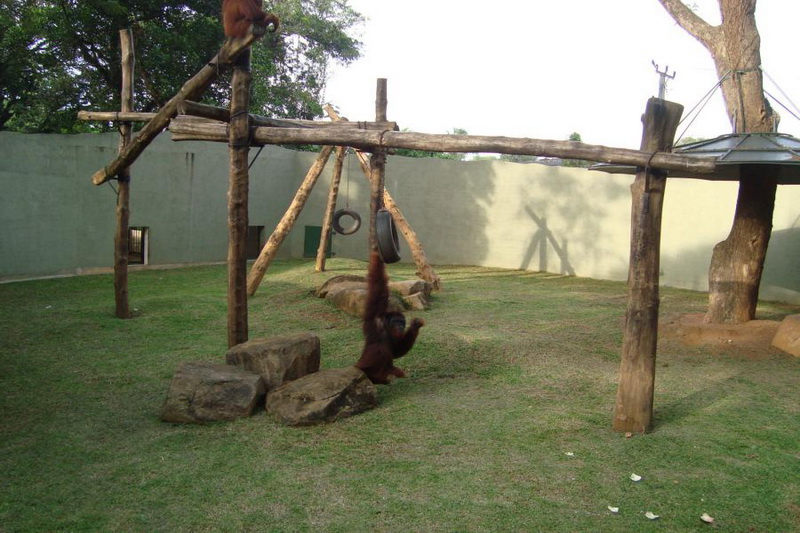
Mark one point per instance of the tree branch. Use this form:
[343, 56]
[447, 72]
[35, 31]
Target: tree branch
[691, 22]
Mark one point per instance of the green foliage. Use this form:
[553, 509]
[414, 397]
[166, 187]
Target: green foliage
[578, 163]
[60, 56]
[513, 372]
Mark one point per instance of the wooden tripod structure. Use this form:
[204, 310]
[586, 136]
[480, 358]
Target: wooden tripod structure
[634, 405]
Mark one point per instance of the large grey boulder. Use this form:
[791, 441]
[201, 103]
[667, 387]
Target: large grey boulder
[278, 359]
[208, 392]
[325, 396]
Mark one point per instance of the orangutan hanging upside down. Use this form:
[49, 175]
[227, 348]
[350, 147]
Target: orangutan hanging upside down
[385, 334]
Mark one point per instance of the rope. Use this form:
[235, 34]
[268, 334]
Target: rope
[782, 105]
[783, 93]
[704, 101]
[646, 195]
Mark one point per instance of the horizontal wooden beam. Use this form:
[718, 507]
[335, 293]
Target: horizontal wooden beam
[368, 140]
[188, 110]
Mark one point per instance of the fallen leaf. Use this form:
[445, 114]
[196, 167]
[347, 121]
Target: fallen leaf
[650, 515]
[635, 477]
[707, 519]
[569, 454]
[628, 435]
[614, 510]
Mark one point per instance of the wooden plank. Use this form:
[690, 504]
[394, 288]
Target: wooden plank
[368, 140]
[633, 411]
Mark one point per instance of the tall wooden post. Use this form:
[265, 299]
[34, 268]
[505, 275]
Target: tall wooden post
[634, 405]
[327, 219]
[124, 181]
[377, 168]
[238, 149]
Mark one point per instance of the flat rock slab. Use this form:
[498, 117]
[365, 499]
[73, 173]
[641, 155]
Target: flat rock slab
[208, 392]
[324, 396]
[788, 336]
[278, 359]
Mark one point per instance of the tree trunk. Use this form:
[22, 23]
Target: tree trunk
[736, 264]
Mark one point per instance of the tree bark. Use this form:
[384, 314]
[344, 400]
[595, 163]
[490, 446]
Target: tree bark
[633, 411]
[738, 261]
[734, 275]
[124, 181]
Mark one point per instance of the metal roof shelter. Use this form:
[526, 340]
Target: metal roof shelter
[734, 152]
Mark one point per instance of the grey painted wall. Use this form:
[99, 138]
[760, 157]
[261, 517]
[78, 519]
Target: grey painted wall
[53, 221]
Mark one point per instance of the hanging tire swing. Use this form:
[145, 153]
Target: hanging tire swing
[388, 242]
[352, 227]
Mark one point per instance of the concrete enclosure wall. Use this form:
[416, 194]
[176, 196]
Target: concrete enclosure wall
[53, 221]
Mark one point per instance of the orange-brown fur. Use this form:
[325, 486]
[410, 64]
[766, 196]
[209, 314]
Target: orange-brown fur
[382, 342]
[239, 15]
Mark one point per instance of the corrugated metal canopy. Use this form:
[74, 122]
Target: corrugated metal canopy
[735, 152]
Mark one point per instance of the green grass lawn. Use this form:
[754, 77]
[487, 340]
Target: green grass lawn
[504, 423]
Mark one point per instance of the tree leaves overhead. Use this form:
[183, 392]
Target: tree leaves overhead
[60, 56]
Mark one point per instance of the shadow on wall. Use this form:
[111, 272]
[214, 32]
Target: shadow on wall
[540, 240]
[782, 265]
[569, 213]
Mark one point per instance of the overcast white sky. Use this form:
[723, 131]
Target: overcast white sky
[547, 68]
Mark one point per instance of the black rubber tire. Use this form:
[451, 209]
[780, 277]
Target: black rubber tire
[388, 242]
[352, 228]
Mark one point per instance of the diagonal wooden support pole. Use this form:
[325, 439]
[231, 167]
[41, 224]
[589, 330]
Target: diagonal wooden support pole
[283, 228]
[191, 90]
[327, 220]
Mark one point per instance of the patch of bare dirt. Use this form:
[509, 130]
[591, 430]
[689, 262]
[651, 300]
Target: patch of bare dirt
[752, 339]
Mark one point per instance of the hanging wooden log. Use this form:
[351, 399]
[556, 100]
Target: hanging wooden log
[191, 90]
[238, 150]
[424, 269]
[124, 181]
[368, 140]
[283, 228]
[330, 208]
[634, 404]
